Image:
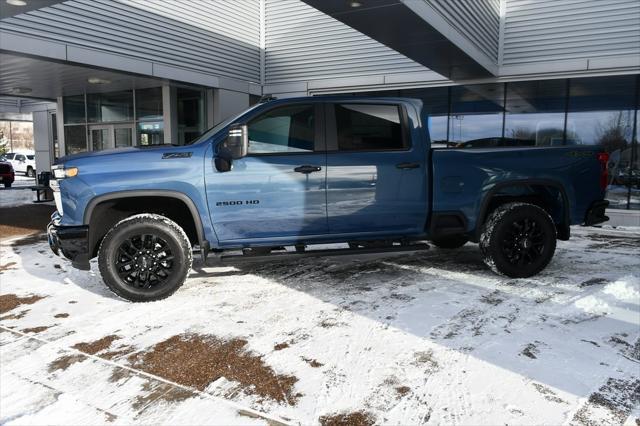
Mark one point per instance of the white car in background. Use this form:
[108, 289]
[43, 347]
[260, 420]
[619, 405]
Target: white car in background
[23, 162]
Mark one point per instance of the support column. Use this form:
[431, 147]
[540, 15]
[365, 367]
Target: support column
[227, 103]
[209, 100]
[41, 141]
[170, 113]
[60, 123]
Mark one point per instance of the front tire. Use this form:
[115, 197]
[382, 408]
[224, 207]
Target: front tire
[30, 172]
[7, 185]
[518, 240]
[145, 257]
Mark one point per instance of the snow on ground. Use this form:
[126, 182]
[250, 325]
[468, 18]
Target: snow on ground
[426, 338]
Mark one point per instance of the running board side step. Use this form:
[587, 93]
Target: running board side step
[241, 258]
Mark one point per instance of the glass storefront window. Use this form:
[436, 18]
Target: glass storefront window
[436, 106]
[113, 106]
[73, 107]
[149, 104]
[190, 115]
[535, 113]
[150, 133]
[601, 112]
[476, 116]
[75, 139]
[633, 182]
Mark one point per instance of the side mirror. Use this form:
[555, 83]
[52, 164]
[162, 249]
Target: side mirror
[238, 141]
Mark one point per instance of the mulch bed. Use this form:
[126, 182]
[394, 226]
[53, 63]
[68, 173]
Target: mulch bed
[197, 360]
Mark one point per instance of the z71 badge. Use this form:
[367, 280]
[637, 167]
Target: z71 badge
[237, 203]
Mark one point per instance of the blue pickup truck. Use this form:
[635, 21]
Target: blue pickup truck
[289, 176]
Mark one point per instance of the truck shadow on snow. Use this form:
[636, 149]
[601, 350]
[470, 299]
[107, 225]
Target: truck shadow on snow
[549, 329]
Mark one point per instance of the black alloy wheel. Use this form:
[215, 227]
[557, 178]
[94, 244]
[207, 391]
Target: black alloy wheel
[518, 240]
[144, 261]
[145, 257]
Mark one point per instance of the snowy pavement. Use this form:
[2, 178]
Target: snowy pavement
[427, 338]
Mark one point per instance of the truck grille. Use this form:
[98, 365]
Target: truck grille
[5, 168]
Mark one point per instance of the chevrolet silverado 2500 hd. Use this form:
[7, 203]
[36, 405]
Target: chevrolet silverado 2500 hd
[288, 175]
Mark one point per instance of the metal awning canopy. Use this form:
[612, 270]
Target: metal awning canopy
[394, 24]
[11, 8]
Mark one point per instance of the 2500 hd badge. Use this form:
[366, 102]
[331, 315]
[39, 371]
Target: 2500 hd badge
[236, 203]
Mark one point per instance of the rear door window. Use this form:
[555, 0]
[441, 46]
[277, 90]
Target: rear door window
[369, 127]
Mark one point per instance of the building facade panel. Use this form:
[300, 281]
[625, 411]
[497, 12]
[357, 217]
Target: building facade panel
[303, 44]
[224, 41]
[550, 30]
[477, 20]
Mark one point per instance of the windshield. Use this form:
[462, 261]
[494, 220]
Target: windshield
[215, 129]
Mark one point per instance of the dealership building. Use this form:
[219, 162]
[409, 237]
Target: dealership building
[99, 74]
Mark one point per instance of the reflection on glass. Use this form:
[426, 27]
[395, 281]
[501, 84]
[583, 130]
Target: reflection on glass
[368, 127]
[283, 130]
[73, 107]
[535, 113]
[99, 139]
[112, 106]
[123, 137]
[151, 133]
[476, 115]
[149, 104]
[75, 139]
[601, 112]
[435, 103]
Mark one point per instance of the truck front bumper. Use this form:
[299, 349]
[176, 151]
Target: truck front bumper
[72, 242]
[595, 214]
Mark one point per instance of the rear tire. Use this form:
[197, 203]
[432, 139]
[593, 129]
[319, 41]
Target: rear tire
[518, 240]
[450, 242]
[145, 257]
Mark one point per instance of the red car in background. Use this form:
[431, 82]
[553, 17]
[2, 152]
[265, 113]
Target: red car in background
[7, 175]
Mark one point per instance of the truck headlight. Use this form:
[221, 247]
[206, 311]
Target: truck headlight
[61, 173]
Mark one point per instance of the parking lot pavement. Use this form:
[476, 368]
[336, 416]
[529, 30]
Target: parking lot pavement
[426, 338]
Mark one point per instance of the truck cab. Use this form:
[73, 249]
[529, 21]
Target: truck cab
[290, 174]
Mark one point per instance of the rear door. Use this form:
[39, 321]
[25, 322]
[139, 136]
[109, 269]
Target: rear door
[375, 176]
[278, 191]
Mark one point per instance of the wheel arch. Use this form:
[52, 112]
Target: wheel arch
[497, 196]
[135, 196]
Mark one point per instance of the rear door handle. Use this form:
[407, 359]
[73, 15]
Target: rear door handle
[306, 169]
[408, 165]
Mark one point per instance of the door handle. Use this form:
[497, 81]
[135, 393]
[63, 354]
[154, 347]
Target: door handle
[306, 169]
[408, 165]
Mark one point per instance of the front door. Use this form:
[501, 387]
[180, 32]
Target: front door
[376, 179]
[277, 192]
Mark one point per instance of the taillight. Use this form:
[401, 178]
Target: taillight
[603, 158]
